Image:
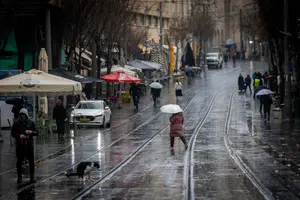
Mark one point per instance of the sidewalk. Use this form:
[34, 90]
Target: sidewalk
[47, 147]
[280, 141]
[269, 151]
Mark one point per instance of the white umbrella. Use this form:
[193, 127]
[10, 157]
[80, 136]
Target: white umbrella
[264, 92]
[156, 85]
[171, 109]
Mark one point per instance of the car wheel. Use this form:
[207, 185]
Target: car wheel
[103, 124]
[109, 123]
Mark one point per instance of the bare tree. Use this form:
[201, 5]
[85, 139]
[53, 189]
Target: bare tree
[202, 27]
[178, 31]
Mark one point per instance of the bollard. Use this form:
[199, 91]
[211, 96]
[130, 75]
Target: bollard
[1, 137]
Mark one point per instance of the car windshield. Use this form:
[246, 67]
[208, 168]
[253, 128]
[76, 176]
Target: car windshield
[212, 55]
[89, 105]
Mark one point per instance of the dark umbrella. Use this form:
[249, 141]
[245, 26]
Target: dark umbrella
[189, 56]
[14, 101]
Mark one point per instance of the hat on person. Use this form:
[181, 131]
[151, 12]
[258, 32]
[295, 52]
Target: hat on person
[24, 111]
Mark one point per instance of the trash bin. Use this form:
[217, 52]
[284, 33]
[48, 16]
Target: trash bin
[277, 113]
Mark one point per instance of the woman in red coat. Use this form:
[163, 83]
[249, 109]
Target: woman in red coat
[176, 129]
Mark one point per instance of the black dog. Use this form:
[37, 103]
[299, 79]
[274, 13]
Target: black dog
[84, 169]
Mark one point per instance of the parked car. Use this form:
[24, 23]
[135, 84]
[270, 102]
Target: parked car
[214, 59]
[91, 113]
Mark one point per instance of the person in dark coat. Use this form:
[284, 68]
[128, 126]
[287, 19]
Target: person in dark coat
[135, 94]
[176, 129]
[267, 107]
[248, 83]
[24, 130]
[241, 82]
[155, 94]
[59, 114]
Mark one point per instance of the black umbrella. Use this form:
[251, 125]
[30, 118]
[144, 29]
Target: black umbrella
[15, 101]
[189, 56]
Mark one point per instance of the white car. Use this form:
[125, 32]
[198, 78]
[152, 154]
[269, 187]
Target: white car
[91, 113]
[214, 59]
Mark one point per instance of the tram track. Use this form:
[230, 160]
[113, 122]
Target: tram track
[94, 153]
[129, 158]
[124, 162]
[67, 148]
[189, 162]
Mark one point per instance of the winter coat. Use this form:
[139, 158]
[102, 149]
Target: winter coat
[19, 127]
[176, 127]
[155, 92]
[178, 86]
[256, 82]
[134, 91]
[248, 80]
[241, 81]
[59, 113]
[267, 103]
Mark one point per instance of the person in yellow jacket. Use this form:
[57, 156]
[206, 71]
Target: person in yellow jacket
[257, 83]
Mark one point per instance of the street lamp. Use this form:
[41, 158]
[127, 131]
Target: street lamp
[250, 41]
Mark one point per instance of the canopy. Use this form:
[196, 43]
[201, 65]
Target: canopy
[74, 76]
[121, 77]
[118, 68]
[146, 65]
[35, 82]
[132, 68]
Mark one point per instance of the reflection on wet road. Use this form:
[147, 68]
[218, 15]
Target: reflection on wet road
[135, 158]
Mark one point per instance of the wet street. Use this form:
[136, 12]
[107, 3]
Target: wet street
[232, 154]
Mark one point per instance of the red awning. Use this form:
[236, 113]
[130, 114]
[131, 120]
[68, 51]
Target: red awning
[120, 77]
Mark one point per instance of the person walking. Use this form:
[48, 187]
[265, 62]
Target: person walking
[241, 83]
[59, 114]
[267, 107]
[176, 129]
[155, 94]
[248, 83]
[24, 131]
[265, 77]
[135, 94]
[178, 89]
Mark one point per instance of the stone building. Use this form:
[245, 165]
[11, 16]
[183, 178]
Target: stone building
[147, 15]
[228, 15]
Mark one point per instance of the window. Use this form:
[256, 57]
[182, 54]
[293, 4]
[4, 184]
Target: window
[143, 19]
[149, 20]
[156, 21]
[89, 105]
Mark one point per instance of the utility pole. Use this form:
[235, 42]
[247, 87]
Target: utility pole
[48, 38]
[94, 67]
[241, 34]
[161, 34]
[287, 98]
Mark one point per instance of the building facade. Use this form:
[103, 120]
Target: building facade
[147, 15]
[229, 16]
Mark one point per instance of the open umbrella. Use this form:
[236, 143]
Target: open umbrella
[259, 88]
[156, 85]
[171, 109]
[14, 101]
[120, 77]
[264, 92]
